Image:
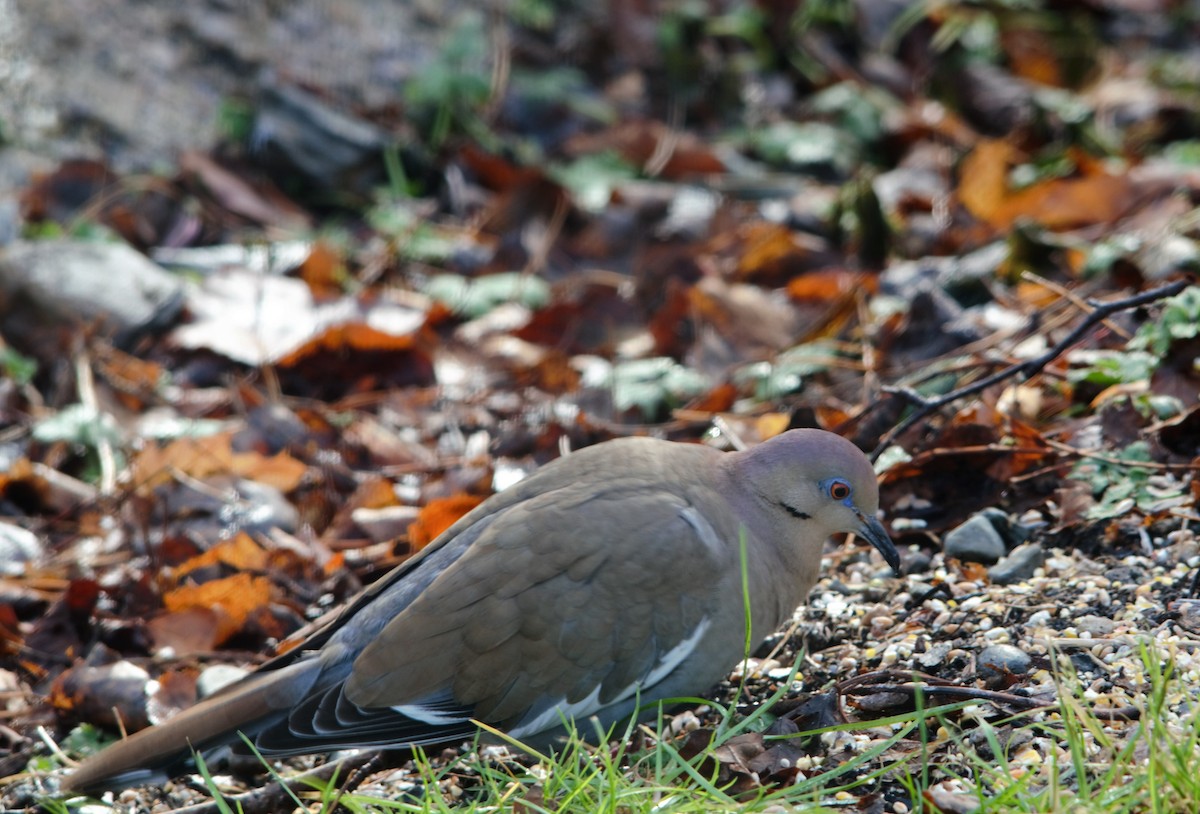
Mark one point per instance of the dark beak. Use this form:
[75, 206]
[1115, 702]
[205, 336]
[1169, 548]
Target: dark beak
[877, 536]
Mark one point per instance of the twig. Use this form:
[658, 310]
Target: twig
[52, 745]
[1113, 459]
[86, 384]
[955, 692]
[1067, 294]
[932, 686]
[665, 147]
[275, 796]
[1027, 369]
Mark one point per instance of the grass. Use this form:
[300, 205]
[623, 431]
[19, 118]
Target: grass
[1068, 759]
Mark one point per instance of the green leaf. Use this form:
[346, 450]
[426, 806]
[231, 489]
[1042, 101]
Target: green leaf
[18, 367]
[651, 384]
[78, 424]
[1179, 320]
[591, 178]
[474, 298]
[1107, 368]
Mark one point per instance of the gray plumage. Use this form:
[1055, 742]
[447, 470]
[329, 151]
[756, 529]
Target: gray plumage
[608, 578]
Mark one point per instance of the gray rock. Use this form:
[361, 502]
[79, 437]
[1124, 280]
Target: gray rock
[50, 283]
[934, 656]
[330, 147]
[1019, 565]
[975, 541]
[1189, 614]
[996, 661]
[1014, 533]
[1095, 625]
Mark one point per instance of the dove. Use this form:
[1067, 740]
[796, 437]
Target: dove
[609, 580]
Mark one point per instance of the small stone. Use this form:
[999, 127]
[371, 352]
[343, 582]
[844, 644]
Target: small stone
[1019, 565]
[49, 284]
[999, 660]
[975, 541]
[935, 656]
[1014, 533]
[1189, 614]
[1095, 626]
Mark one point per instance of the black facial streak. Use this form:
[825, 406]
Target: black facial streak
[794, 512]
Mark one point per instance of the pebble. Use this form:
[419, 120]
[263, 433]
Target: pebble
[998, 660]
[975, 541]
[1020, 564]
[1094, 626]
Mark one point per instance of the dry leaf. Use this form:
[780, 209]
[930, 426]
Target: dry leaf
[234, 598]
[438, 516]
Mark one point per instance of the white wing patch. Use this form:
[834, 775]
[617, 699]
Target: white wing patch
[704, 530]
[431, 715]
[584, 707]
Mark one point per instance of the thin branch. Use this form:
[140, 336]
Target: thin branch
[959, 693]
[1025, 370]
[1067, 449]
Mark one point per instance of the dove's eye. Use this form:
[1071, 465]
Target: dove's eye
[839, 489]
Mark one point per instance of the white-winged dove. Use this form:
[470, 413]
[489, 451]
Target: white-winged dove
[609, 578]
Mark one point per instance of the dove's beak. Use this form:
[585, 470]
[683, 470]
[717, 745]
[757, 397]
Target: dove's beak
[877, 536]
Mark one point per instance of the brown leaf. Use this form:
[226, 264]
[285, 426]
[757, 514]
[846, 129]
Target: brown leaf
[651, 144]
[355, 357]
[438, 516]
[186, 632]
[109, 694]
[240, 553]
[57, 633]
[176, 691]
[830, 285]
[818, 711]
[264, 205]
[234, 598]
[197, 458]
[772, 254]
[59, 195]
[1055, 203]
[324, 270]
[1032, 55]
[281, 470]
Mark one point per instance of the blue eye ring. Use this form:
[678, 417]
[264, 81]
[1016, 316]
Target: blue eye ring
[839, 490]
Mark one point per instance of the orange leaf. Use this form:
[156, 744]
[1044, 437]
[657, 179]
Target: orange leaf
[438, 516]
[829, 285]
[280, 470]
[1032, 55]
[1056, 203]
[770, 253]
[241, 553]
[234, 598]
[196, 457]
[323, 270]
[771, 424]
[983, 184]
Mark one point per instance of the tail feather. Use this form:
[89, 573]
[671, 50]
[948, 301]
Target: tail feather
[247, 706]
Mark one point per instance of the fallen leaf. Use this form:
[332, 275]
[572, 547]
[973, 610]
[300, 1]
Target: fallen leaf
[438, 516]
[234, 598]
[240, 553]
[281, 470]
[1056, 203]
